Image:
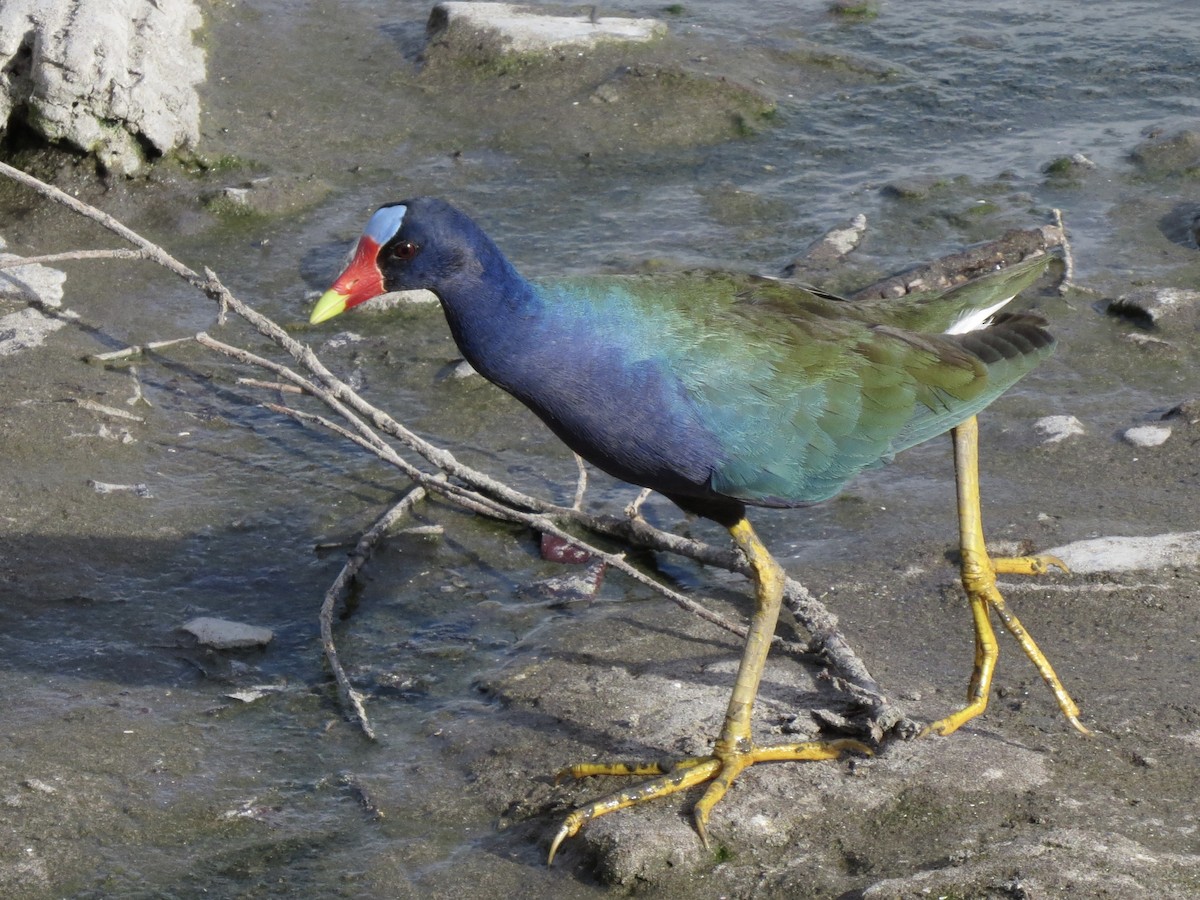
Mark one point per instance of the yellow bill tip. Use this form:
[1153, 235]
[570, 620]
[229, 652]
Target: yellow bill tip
[332, 303]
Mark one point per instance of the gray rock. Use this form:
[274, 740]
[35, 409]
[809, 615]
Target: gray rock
[106, 76]
[37, 283]
[1126, 554]
[1069, 167]
[221, 634]
[1058, 428]
[1162, 155]
[918, 187]
[1147, 435]
[1156, 305]
[837, 242]
[1188, 411]
[400, 298]
[27, 328]
[459, 369]
[511, 28]
[269, 196]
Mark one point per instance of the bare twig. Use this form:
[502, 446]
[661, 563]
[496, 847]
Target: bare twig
[107, 410]
[1068, 279]
[351, 698]
[271, 385]
[634, 509]
[580, 483]
[69, 256]
[151, 251]
[136, 350]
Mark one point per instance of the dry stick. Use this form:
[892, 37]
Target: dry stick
[271, 385]
[1068, 279]
[580, 483]
[107, 410]
[136, 349]
[358, 557]
[69, 256]
[150, 250]
[812, 614]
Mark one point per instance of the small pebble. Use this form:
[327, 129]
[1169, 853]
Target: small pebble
[458, 370]
[1147, 435]
[1058, 428]
[221, 634]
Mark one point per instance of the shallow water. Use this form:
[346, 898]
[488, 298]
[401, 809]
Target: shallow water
[280, 797]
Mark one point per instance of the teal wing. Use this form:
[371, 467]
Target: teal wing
[800, 391]
[802, 417]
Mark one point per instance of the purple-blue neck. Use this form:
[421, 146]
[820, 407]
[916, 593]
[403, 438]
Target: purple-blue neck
[492, 311]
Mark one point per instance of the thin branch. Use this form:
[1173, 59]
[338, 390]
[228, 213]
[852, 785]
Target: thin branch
[352, 698]
[581, 482]
[17, 262]
[152, 251]
[271, 385]
[137, 349]
[1068, 279]
[107, 410]
[634, 509]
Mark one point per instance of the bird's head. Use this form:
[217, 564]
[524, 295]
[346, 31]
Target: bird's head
[421, 244]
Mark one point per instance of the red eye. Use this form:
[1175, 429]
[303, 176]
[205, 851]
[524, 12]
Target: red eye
[404, 250]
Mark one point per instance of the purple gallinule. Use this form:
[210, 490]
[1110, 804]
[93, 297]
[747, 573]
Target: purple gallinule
[720, 391]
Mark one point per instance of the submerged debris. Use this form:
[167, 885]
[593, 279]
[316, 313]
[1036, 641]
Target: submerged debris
[106, 487]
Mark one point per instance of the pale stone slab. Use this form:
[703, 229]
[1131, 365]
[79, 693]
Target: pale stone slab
[521, 29]
[110, 77]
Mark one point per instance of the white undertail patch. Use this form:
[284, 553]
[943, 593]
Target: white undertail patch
[974, 319]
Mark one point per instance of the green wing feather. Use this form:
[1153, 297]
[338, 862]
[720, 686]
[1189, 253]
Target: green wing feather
[801, 390]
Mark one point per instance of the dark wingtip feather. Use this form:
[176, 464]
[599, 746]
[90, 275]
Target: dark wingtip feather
[1009, 336]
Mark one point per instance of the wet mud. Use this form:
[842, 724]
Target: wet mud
[136, 763]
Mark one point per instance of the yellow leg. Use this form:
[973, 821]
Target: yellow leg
[979, 580]
[734, 749]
